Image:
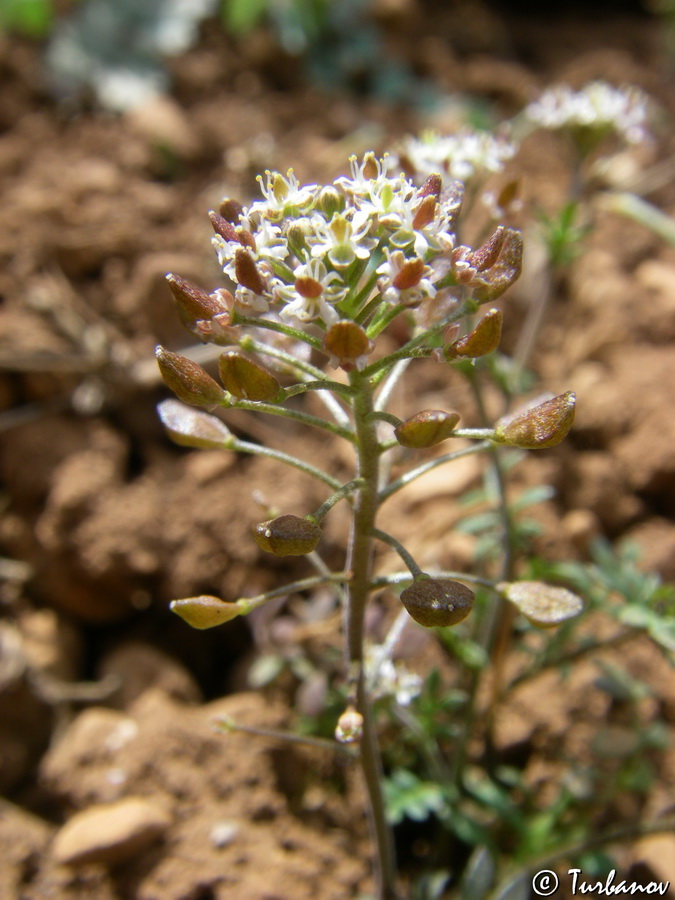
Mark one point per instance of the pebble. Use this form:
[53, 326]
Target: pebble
[110, 833]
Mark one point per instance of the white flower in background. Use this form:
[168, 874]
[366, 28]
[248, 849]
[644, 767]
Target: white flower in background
[462, 155]
[598, 106]
[385, 678]
[312, 295]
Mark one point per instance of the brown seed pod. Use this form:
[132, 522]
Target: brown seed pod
[287, 536]
[540, 426]
[435, 602]
[426, 428]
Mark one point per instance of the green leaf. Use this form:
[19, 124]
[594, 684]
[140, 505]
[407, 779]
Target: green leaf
[407, 796]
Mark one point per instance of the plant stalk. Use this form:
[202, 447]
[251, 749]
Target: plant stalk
[359, 566]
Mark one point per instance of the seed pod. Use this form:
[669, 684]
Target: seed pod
[544, 605]
[348, 345]
[189, 382]
[426, 428]
[193, 428]
[246, 379]
[505, 270]
[540, 426]
[205, 611]
[437, 602]
[287, 536]
[482, 340]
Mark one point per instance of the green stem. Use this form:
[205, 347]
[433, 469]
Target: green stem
[280, 456]
[330, 502]
[389, 539]
[405, 479]
[359, 566]
[295, 414]
[302, 584]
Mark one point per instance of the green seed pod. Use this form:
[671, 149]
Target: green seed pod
[545, 606]
[482, 340]
[426, 428]
[189, 382]
[287, 536]
[205, 611]
[437, 602]
[246, 379]
[540, 426]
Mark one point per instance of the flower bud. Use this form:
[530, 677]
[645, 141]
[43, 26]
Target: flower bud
[482, 340]
[246, 379]
[505, 270]
[540, 426]
[425, 212]
[230, 209]
[287, 536]
[349, 728]
[189, 382]
[409, 275]
[223, 227]
[435, 602]
[205, 611]
[542, 604]
[348, 345]
[194, 303]
[426, 428]
[330, 201]
[431, 187]
[247, 272]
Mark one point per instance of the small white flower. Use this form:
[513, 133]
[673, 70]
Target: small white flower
[388, 679]
[283, 195]
[340, 240]
[366, 177]
[312, 295]
[404, 280]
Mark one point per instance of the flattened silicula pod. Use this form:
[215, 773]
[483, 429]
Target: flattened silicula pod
[437, 602]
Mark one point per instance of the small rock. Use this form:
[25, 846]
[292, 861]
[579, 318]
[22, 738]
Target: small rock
[110, 834]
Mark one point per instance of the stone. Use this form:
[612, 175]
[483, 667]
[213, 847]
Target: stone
[111, 833]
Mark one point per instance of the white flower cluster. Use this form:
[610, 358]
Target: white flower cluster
[322, 254]
[463, 155]
[598, 107]
[302, 249]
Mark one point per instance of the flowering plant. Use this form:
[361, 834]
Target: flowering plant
[320, 273]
